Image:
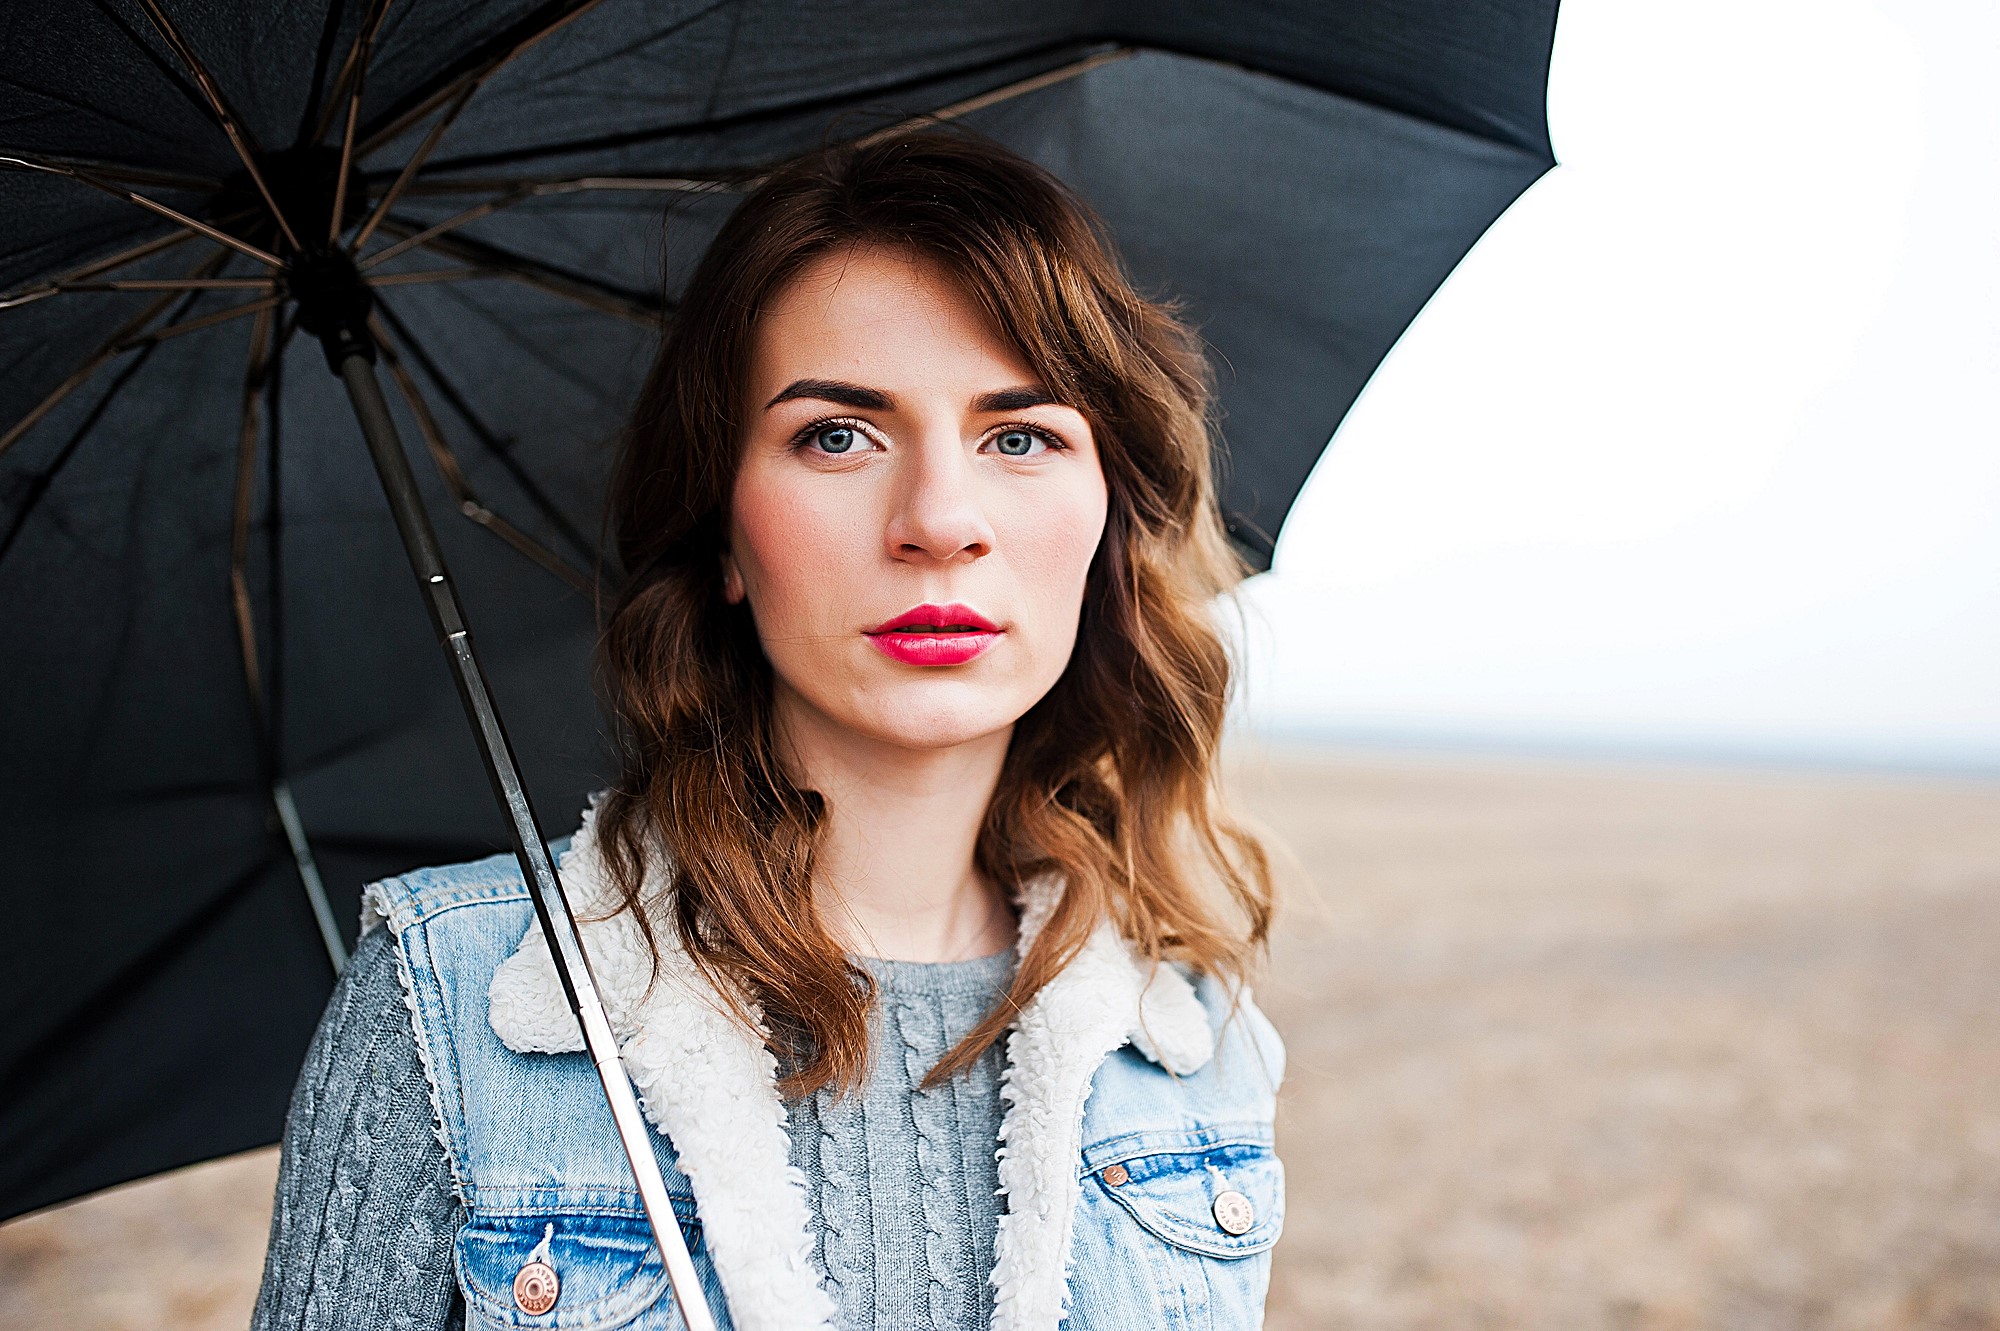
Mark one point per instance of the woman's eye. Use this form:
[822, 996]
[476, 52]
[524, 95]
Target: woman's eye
[1019, 443]
[836, 438]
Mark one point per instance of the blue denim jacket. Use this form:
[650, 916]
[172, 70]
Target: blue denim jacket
[1140, 1188]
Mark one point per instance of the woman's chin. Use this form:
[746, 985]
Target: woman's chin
[936, 713]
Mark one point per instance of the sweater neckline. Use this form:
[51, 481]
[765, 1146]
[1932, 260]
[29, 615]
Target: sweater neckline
[974, 975]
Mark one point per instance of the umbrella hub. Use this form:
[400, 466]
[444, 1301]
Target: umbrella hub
[334, 302]
[303, 181]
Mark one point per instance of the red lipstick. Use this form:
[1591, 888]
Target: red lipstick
[935, 635]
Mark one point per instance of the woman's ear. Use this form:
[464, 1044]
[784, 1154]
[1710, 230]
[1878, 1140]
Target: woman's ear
[732, 581]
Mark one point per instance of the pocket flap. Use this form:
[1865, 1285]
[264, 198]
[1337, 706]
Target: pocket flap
[1185, 1197]
[606, 1270]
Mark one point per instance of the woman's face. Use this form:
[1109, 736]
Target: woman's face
[914, 516]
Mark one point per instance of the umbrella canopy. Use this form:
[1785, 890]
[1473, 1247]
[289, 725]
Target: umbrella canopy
[216, 688]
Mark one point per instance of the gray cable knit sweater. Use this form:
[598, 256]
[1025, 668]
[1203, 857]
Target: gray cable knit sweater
[903, 1183]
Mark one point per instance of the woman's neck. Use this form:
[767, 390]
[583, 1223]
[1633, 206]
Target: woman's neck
[895, 876]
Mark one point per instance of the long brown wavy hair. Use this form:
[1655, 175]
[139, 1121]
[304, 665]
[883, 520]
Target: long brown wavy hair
[1109, 781]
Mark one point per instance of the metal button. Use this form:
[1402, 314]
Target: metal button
[536, 1288]
[1234, 1213]
[1115, 1175]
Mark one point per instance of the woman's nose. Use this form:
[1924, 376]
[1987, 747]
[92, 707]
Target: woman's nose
[937, 514]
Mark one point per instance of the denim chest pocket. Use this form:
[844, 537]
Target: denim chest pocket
[1225, 1200]
[581, 1272]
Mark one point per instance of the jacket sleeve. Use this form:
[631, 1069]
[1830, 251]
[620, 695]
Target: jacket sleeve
[366, 1212]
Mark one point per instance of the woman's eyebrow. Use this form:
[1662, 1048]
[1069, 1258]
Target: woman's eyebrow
[1016, 399]
[833, 390]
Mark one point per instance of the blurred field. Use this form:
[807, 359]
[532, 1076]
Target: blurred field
[1574, 1048]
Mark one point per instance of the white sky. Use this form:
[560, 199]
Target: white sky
[1699, 449]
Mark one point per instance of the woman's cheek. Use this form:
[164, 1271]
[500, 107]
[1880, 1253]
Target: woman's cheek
[797, 543]
[1054, 541]
[1059, 536]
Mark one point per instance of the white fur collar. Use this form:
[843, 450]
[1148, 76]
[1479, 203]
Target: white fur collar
[711, 1085]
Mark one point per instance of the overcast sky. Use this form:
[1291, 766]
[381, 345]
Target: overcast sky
[1699, 450]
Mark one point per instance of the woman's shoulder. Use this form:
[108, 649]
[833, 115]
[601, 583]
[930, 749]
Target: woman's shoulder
[1227, 1097]
[419, 895]
[1242, 1031]
[365, 1017]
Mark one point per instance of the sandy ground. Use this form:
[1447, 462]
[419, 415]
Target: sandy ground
[1571, 1048]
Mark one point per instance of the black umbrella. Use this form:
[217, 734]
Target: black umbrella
[212, 677]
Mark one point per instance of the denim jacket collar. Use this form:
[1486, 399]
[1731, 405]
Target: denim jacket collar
[710, 1084]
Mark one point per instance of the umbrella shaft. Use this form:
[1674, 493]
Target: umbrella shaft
[392, 465]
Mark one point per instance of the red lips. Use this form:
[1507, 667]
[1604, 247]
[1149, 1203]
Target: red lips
[935, 635]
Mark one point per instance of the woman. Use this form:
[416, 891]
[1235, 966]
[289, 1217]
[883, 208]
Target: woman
[914, 907]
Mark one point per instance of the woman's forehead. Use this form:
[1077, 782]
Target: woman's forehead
[880, 315]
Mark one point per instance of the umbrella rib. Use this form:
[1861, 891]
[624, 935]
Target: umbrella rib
[357, 60]
[599, 296]
[462, 493]
[468, 85]
[274, 388]
[521, 190]
[40, 482]
[219, 106]
[411, 167]
[1007, 92]
[117, 342]
[540, 498]
[546, 21]
[120, 173]
[173, 215]
[352, 68]
[749, 177]
[167, 331]
[741, 181]
[428, 275]
[308, 867]
[173, 284]
[651, 37]
[153, 58]
[60, 281]
[28, 296]
[322, 98]
[472, 214]
[528, 187]
[239, 527]
[281, 790]
[266, 344]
